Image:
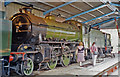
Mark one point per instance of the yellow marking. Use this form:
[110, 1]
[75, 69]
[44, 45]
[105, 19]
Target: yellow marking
[25, 47]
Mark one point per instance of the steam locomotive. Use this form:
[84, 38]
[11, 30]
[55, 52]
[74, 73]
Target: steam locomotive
[41, 42]
[32, 42]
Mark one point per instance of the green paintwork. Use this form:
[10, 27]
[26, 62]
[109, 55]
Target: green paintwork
[66, 59]
[81, 34]
[52, 64]
[2, 14]
[108, 40]
[62, 35]
[5, 37]
[60, 24]
[28, 67]
[64, 27]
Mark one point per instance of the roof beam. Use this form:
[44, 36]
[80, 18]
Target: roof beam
[109, 6]
[86, 11]
[115, 4]
[63, 10]
[104, 22]
[6, 3]
[81, 10]
[98, 17]
[59, 7]
[93, 6]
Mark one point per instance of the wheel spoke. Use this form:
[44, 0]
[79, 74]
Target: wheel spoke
[66, 59]
[28, 67]
[53, 62]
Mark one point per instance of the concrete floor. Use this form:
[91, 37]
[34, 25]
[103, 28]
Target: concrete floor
[75, 69]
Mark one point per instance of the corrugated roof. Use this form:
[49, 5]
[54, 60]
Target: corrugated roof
[78, 7]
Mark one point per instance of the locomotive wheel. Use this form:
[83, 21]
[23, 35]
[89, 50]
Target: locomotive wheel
[53, 61]
[66, 59]
[27, 67]
[66, 56]
[52, 64]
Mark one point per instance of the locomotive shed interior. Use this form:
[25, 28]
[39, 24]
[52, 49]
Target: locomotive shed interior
[42, 34]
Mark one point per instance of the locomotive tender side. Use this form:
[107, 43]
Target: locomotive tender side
[5, 38]
[5, 42]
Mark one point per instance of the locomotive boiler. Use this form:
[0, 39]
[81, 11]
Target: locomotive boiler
[42, 42]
